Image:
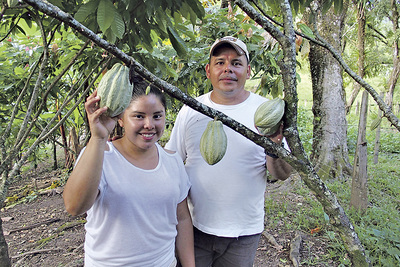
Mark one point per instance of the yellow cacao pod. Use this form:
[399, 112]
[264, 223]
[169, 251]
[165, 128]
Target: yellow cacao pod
[213, 142]
[268, 116]
[115, 90]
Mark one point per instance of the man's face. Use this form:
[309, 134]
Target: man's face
[227, 70]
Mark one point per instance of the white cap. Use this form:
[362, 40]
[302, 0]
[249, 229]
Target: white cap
[239, 46]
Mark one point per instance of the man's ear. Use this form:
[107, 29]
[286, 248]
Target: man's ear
[208, 70]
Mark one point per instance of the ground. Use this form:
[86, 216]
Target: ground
[39, 232]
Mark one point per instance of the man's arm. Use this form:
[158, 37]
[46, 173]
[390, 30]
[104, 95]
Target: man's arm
[278, 168]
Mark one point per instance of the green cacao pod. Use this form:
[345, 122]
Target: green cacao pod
[115, 90]
[268, 116]
[213, 142]
[375, 123]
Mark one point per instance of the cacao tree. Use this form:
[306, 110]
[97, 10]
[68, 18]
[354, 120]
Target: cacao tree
[329, 148]
[381, 40]
[285, 36]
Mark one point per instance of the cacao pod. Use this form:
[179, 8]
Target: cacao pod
[375, 123]
[268, 116]
[115, 90]
[213, 142]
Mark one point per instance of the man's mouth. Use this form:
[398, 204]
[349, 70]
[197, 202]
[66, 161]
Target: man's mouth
[228, 78]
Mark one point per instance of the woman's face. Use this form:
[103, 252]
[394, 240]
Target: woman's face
[144, 121]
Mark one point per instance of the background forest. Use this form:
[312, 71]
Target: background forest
[326, 59]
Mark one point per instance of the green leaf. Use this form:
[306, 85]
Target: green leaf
[177, 42]
[326, 217]
[306, 30]
[326, 5]
[160, 18]
[338, 5]
[85, 10]
[295, 5]
[12, 3]
[196, 7]
[110, 36]
[105, 14]
[118, 25]
[19, 71]
[171, 72]
[393, 251]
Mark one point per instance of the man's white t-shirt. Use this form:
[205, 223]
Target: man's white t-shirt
[226, 199]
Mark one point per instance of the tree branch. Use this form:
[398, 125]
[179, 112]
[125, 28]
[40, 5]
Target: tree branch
[387, 111]
[173, 91]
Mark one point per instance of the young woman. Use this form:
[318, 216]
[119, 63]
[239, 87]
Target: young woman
[134, 191]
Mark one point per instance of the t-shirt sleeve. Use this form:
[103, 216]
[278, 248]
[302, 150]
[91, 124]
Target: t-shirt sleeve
[177, 139]
[184, 184]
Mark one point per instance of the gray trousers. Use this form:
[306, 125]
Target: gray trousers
[214, 251]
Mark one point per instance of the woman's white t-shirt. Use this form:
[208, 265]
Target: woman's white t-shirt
[133, 220]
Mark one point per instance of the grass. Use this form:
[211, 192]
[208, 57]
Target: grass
[378, 228]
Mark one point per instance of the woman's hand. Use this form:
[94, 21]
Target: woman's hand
[100, 124]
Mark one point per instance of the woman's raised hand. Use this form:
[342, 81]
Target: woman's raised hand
[100, 123]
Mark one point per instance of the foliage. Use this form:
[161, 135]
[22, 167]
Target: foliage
[217, 22]
[378, 228]
[305, 127]
[377, 47]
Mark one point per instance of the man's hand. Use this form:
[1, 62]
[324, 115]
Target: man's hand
[277, 137]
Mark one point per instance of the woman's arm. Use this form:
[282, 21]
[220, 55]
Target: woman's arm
[184, 239]
[81, 188]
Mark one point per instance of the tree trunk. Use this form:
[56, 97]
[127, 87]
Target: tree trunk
[361, 22]
[359, 190]
[377, 138]
[394, 75]
[63, 136]
[329, 149]
[4, 257]
[54, 155]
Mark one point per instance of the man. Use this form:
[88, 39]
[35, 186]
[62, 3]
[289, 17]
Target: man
[227, 199]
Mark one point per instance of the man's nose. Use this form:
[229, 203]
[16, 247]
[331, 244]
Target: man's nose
[228, 68]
